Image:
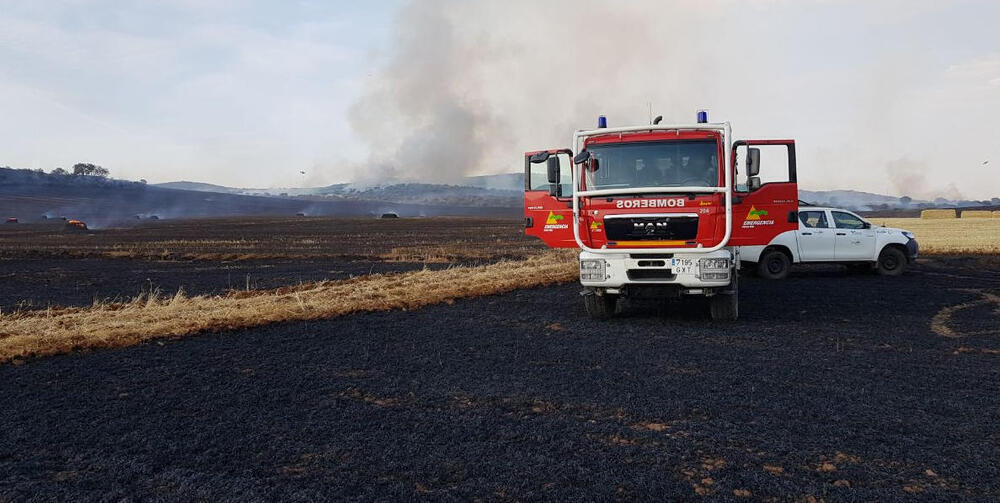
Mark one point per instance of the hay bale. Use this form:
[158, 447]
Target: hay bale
[976, 214]
[936, 214]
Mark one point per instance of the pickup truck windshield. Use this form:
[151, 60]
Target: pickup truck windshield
[683, 163]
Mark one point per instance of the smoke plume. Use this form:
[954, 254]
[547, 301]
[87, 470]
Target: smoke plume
[909, 178]
[468, 86]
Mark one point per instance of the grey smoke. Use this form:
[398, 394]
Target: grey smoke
[467, 86]
[908, 177]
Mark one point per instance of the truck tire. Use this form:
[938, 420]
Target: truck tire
[773, 264]
[724, 306]
[600, 307]
[891, 262]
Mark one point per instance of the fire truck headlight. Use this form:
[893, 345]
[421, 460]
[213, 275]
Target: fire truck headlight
[713, 264]
[592, 269]
[714, 268]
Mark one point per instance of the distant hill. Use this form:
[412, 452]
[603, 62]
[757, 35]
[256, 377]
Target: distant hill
[31, 196]
[506, 189]
[197, 186]
[483, 191]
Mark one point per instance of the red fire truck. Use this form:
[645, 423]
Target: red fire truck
[659, 210]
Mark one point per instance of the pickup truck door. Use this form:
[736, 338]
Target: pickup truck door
[815, 237]
[548, 214]
[855, 239]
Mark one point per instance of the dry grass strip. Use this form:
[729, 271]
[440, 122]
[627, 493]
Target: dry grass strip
[940, 323]
[55, 331]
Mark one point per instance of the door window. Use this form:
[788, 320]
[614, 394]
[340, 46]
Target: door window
[774, 165]
[813, 219]
[847, 221]
[538, 176]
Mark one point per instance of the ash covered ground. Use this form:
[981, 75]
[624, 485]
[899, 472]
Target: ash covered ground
[27, 284]
[832, 385]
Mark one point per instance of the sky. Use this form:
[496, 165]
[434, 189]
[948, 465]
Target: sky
[893, 97]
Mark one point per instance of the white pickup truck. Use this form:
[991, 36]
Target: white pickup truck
[833, 235]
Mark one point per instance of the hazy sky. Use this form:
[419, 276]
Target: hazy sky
[891, 97]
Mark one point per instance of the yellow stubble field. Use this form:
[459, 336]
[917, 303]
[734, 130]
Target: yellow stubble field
[950, 235]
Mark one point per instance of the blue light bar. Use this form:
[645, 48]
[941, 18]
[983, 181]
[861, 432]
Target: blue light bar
[602, 122]
[702, 116]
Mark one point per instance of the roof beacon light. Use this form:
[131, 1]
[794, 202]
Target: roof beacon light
[702, 116]
[602, 122]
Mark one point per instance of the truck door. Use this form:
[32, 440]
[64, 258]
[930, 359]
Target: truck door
[765, 191]
[548, 213]
[815, 237]
[855, 239]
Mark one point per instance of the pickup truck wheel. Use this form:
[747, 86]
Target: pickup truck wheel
[724, 306]
[773, 264]
[600, 307]
[891, 262]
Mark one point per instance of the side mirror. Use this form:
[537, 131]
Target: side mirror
[866, 225]
[552, 165]
[538, 158]
[753, 161]
[753, 183]
[592, 165]
[581, 157]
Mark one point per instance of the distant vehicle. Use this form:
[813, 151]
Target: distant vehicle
[154, 217]
[389, 215]
[76, 225]
[300, 214]
[834, 235]
[12, 220]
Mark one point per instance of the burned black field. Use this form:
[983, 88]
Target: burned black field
[38, 284]
[834, 386]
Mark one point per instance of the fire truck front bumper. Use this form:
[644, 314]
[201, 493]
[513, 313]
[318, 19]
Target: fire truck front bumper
[688, 270]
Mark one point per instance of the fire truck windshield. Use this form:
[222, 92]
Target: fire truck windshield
[679, 163]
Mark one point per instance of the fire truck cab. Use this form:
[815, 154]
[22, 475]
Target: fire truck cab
[659, 210]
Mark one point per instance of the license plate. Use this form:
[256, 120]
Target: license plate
[682, 265]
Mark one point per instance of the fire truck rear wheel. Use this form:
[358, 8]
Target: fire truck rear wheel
[724, 307]
[773, 264]
[600, 307]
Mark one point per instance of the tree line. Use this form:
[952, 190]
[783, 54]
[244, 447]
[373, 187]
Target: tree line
[83, 169]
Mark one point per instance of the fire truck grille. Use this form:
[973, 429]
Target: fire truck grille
[680, 228]
[650, 274]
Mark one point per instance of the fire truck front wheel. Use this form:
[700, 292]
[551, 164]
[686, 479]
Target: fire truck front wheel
[724, 306]
[600, 307]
